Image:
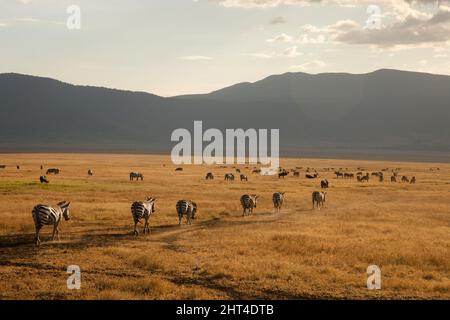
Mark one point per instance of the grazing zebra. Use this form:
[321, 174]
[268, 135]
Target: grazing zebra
[324, 184]
[90, 172]
[244, 177]
[278, 199]
[405, 179]
[318, 199]
[46, 215]
[393, 179]
[209, 176]
[142, 210]
[53, 170]
[248, 202]
[229, 177]
[413, 180]
[136, 175]
[43, 179]
[187, 208]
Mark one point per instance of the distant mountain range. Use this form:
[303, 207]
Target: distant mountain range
[386, 113]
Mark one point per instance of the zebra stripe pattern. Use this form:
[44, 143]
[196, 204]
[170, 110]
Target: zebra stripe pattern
[186, 208]
[142, 210]
[46, 215]
[278, 199]
[248, 203]
[318, 199]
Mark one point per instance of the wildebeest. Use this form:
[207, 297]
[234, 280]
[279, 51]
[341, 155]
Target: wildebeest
[318, 199]
[209, 176]
[381, 178]
[53, 171]
[296, 174]
[244, 177]
[136, 175]
[324, 184]
[338, 174]
[405, 179]
[43, 179]
[363, 178]
[413, 180]
[393, 179]
[313, 176]
[18, 167]
[2, 166]
[179, 169]
[238, 170]
[349, 175]
[90, 172]
[256, 171]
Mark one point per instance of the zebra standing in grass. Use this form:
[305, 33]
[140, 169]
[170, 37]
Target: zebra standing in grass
[318, 198]
[248, 203]
[187, 208]
[244, 177]
[46, 215]
[142, 210]
[136, 175]
[278, 199]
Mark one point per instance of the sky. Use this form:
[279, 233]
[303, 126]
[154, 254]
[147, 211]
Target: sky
[173, 47]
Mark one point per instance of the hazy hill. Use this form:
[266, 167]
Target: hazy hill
[386, 110]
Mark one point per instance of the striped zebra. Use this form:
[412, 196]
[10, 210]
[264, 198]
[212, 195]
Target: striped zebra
[142, 210]
[248, 202]
[136, 175]
[278, 199]
[244, 177]
[43, 179]
[229, 177]
[46, 215]
[186, 208]
[318, 199]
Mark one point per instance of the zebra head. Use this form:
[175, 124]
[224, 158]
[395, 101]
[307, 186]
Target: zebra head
[194, 209]
[153, 203]
[64, 205]
[254, 198]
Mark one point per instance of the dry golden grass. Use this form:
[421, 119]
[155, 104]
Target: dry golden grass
[300, 253]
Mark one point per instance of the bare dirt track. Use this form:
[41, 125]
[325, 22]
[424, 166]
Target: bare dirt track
[299, 254]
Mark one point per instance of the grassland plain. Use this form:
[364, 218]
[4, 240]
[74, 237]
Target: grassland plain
[298, 254]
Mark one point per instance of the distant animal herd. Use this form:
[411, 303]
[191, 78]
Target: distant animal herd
[142, 210]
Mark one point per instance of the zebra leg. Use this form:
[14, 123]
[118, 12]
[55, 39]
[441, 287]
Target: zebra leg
[136, 233]
[37, 240]
[54, 231]
[147, 226]
[57, 232]
[180, 217]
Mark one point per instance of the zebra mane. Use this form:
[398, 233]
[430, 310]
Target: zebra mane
[63, 204]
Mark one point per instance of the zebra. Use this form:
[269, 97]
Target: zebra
[90, 172]
[296, 174]
[283, 173]
[136, 175]
[229, 177]
[349, 175]
[309, 176]
[187, 208]
[53, 170]
[318, 198]
[278, 199]
[209, 176]
[364, 178]
[43, 179]
[338, 174]
[46, 215]
[142, 210]
[324, 184]
[413, 180]
[405, 179]
[244, 177]
[248, 203]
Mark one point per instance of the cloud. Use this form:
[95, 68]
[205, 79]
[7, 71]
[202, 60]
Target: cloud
[281, 38]
[277, 20]
[194, 58]
[290, 52]
[310, 65]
